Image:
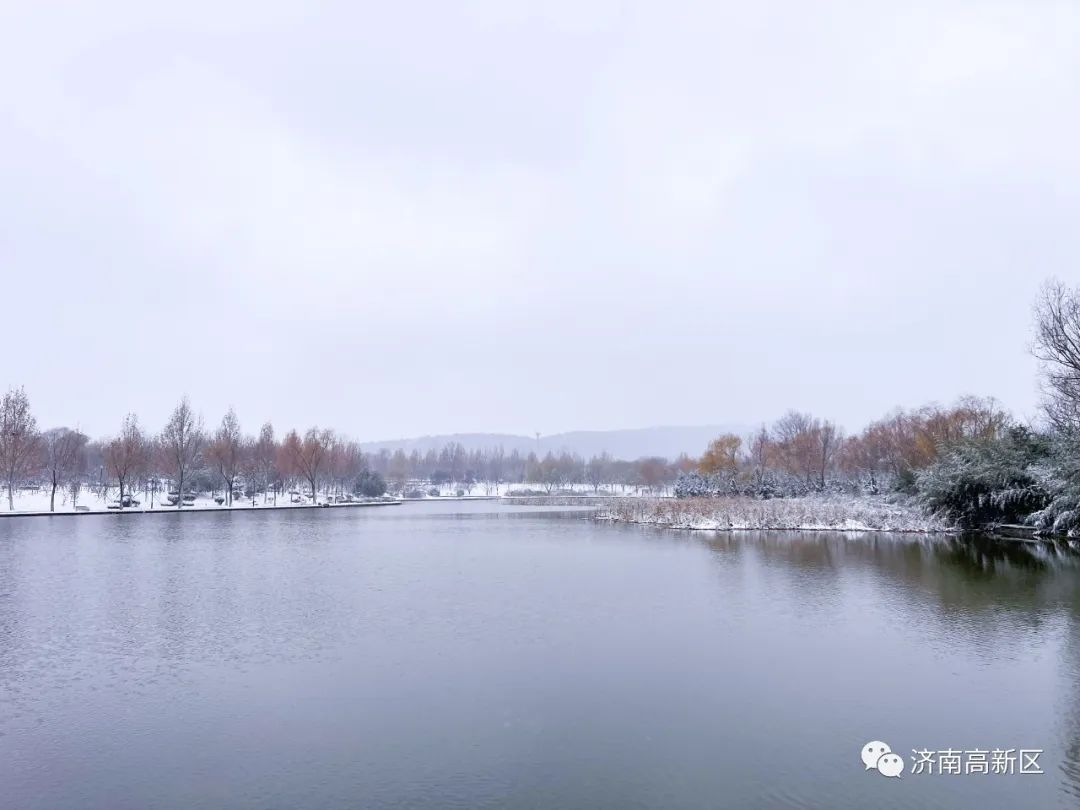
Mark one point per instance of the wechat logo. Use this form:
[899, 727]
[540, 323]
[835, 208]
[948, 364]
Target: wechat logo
[879, 756]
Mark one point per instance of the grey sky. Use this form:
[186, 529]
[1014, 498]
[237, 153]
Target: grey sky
[406, 218]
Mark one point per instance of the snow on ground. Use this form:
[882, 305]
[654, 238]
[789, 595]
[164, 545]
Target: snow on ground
[37, 500]
[518, 489]
[31, 501]
[812, 513]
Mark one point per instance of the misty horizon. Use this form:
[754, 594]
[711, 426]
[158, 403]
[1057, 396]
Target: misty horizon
[687, 218]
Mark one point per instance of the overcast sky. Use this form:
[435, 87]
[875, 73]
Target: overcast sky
[421, 217]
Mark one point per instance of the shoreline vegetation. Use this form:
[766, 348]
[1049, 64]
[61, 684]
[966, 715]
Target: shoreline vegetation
[839, 513]
[966, 467]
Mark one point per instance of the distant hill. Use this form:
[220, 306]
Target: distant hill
[668, 442]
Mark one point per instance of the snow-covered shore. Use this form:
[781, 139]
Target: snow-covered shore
[812, 513]
[31, 504]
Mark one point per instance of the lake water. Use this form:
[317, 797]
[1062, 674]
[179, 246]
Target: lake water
[474, 655]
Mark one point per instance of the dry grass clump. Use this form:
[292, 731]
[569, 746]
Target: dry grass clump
[824, 512]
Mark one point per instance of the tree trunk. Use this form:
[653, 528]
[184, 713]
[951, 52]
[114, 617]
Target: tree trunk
[52, 496]
[180, 491]
[10, 497]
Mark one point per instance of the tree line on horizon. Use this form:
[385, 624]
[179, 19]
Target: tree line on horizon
[970, 460]
[799, 453]
[186, 457]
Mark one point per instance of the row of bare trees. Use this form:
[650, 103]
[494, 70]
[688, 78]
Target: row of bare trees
[19, 443]
[183, 456]
[811, 451]
[897, 448]
[798, 447]
[458, 467]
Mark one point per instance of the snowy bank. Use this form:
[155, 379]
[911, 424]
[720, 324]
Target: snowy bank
[811, 513]
[36, 503]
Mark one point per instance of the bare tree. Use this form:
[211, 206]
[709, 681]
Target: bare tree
[346, 463]
[1057, 346]
[285, 461]
[19, 441]
[653, 473]
[181, 445]
[308, 456]
[452, 460]
[495, 464]
[796, 439]
[265, 459]
[74, 488]
[126, 455]
[760, 445]
[151, 469]
[598, 470]
[721, 457]
[249, 466]
[64, 453]
[398, 470]
[548, 472]
[828, 443]
[224, 452]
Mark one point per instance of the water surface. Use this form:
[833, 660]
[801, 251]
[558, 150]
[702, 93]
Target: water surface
[476, 655]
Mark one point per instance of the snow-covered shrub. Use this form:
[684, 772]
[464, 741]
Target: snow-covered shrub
[369, 484]
[982, 482]
[1060, 477]
[870, 485]
[763, 485]
[696, 485]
